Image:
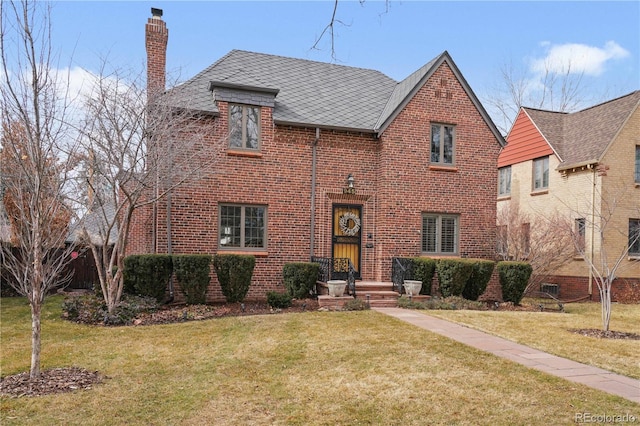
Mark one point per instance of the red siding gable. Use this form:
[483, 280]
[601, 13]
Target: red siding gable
[524, 143]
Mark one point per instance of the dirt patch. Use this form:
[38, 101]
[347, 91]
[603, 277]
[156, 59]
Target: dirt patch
[601, 334]
[57, 380]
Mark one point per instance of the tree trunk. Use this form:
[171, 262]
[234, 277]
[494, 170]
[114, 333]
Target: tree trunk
[605, 302]
[36, 308]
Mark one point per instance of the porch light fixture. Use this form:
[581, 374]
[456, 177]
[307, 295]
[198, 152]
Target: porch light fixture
[350, 180]
[350, 188]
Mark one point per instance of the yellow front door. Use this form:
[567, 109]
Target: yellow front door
[347, 228]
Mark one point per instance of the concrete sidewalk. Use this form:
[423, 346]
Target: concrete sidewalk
[594, 377]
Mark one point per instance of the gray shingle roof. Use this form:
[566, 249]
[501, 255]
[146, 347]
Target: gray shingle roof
[310, 93]
[584, 136]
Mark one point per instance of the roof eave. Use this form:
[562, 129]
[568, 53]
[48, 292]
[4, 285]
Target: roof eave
[580, 164]
[323, 126]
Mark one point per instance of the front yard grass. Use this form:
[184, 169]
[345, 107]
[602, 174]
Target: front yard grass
[315, 368]
[550, 332]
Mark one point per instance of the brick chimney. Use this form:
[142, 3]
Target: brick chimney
[156, 38]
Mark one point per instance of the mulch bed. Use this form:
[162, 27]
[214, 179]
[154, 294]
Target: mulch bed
[56, 380]
[601, 334]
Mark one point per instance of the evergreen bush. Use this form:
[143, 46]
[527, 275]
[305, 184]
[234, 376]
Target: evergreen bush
[423, 270]
[479, 278]
[192, 272]
[278, 300]
[148, 274]
[453, 275]
[514, 277]
[300, 278]
[234, 273]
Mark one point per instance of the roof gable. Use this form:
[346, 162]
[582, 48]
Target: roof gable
[584, 136]
[525, 142]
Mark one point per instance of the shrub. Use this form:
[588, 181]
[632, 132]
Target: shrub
[278, 300]
[514, 277]
[480, 275]
[192, 272]
[300, 278]
[423, 270]
[89, 309]
[148, 274]
[453, 275]
[355, 305]
[234, 273]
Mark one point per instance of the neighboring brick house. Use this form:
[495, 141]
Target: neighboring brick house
[318, 159]
[586, 165]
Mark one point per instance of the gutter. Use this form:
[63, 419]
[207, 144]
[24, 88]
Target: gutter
[593, 225]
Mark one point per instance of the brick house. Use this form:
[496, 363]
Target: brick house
[587, 165]
[322, 160]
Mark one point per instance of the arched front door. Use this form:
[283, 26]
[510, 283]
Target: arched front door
[347, 231]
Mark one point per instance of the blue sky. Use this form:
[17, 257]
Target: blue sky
[601, 39]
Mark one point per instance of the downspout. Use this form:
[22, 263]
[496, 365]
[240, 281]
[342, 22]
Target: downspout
[169, 243]
[312, 239]
[593, 225]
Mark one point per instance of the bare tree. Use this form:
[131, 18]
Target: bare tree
[550, 89]
[36, 160]
[604, 258]
[137, 152]
[542, 240]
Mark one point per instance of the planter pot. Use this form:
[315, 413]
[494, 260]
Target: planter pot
[336, 287]
[412, 287]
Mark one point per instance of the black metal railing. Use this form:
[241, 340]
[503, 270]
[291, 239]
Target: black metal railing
[339, 268]
[401, 269]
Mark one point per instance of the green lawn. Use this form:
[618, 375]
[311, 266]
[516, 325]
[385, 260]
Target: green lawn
[333, 368]
[551, 333]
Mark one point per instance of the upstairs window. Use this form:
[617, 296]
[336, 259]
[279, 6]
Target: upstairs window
[244, 127]
[634, 237]
[440, 233]
[541, 174]
[580, 234]
[637, 178]
[442, 144]
[504, 181]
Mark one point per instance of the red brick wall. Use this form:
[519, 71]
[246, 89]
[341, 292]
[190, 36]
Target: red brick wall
[626, 290]
[393, 180]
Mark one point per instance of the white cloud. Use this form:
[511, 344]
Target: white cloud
[577, 58]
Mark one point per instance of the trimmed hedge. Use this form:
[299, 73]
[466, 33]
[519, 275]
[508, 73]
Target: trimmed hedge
[300, 278]
[148, 274]
[453, 275]
[192, 272]
[234, 273]
[423, 270]
[514, 277]
[479, 278]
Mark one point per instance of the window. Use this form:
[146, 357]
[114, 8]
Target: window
[634, 237]
[580, 232]
[243, 227]
[442, 144]
[637, 179]
[541, 173]
[502, 241]
[440, 234]
[244, 126]
[504, 181]
[525, 229]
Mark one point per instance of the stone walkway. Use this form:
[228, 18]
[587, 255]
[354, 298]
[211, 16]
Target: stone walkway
[594, 377]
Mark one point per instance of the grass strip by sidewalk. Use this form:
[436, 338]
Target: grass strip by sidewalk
[550, 332]
[286, 369]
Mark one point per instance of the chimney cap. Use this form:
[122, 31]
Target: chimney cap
[156, 12]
